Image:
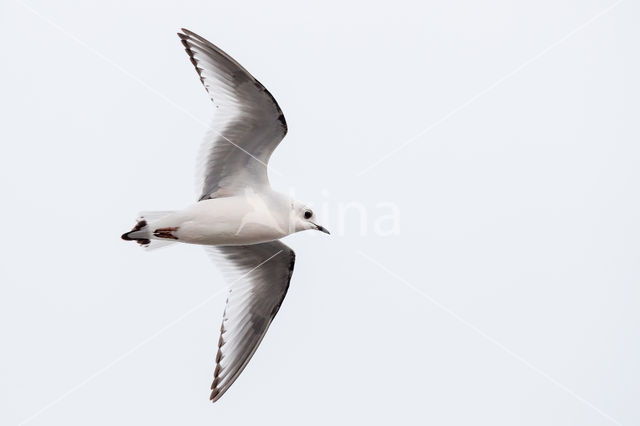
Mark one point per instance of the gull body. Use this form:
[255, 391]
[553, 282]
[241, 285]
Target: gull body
[237, 220]
[237, 216]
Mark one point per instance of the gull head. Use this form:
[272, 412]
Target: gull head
[303, 218]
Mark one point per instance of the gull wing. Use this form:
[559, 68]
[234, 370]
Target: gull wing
[247, 127]
[259, 275]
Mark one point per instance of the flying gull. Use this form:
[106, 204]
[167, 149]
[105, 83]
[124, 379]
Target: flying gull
[238, 217]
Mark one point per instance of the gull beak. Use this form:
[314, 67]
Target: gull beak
[322, 229]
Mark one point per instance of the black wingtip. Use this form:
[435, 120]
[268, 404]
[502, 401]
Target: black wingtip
[215, 395]
[185, 33]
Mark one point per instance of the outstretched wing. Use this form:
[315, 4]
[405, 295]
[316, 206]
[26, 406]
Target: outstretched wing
[247, 127]
[259, 276]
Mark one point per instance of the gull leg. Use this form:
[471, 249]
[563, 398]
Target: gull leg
[165, 233]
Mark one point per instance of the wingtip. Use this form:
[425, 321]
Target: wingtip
[186, 33]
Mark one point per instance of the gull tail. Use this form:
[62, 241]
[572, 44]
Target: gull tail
[143, 234]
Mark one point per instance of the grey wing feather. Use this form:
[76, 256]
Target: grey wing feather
[248, 124]
[260, 276]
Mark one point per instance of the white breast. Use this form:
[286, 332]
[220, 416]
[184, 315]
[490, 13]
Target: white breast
[248, 219]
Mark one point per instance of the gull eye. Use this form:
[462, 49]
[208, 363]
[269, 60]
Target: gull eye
[308, 214]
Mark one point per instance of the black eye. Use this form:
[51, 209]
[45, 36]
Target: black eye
[308, 214]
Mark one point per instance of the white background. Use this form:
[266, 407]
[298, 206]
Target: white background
[519, 213]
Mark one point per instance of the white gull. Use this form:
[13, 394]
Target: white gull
[238, 216]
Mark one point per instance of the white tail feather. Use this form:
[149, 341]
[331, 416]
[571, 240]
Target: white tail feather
[151, 216]
[142, 232]
[156, 244]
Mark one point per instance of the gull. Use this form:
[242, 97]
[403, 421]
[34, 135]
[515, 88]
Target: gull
[237, 217]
